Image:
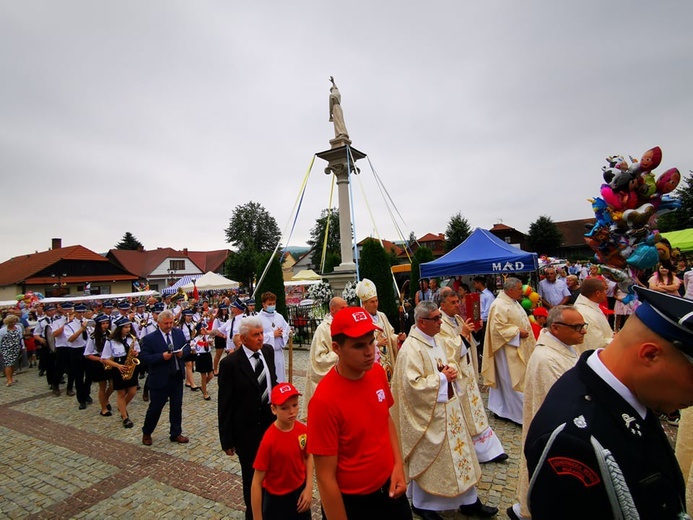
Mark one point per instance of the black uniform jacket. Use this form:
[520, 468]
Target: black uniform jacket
[570, 483]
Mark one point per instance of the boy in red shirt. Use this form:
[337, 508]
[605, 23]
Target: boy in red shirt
[282, 487]
[358, 461]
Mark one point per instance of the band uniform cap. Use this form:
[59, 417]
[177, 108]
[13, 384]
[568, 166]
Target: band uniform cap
[123, 305]
[223, 306]
[200, 326]
[80, 307]
[108, 305]
[49, 307]
[139, 304]
[239, 305]
[282, 392]
[366, 290]
[353, 322]
[122, 321]
[100, 318]
[67, 305]
[188, 312]
[250, 301]
[670, 317]
[540, 311]
[158, 307]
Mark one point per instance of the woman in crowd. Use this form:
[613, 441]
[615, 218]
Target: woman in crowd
[664, 280]
[11, 343]
[188, 328]
[114, 354]
[203, 363]
[219, 337]
[95, 367]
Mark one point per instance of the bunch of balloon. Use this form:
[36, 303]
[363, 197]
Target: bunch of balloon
[625, 237]
[530, 298]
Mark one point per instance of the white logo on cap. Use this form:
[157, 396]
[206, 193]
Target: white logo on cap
[284, 388]
[359, 316]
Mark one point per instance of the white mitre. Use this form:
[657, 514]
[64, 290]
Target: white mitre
[366, 290]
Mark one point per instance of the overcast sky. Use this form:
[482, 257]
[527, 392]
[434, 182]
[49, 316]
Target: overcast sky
[159, 118]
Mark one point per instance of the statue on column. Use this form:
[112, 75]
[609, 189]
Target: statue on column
[336, 114]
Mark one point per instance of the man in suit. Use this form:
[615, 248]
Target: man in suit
[246, 378]
[162, 351]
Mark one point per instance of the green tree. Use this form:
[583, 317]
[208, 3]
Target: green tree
[317, 239]
[544, 236]
[457, 231]
[375, 265]
[129, 242]
[273, 282]
[422, 255]
[681, 218]
[252, 230]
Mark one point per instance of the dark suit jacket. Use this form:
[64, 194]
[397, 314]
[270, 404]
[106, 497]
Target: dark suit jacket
[153, 347]
[242, 418]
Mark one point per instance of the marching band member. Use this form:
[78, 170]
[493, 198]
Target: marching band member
[95, 367]
[188, 328]
[203, 363]
[115, 354]
[218, 328]
[76, 332]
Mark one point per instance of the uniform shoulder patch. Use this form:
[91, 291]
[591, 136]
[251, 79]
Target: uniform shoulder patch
[575, 468]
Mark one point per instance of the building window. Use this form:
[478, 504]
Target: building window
[102, 289]
[507, 240]
[176, 265]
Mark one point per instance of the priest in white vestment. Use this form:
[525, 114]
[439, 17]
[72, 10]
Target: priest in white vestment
[438, 452]
[509, 342]
[599, 334]
[554, 354]
[458, 337]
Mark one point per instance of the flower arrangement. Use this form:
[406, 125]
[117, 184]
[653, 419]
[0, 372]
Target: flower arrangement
[349, 294]
[320, 292]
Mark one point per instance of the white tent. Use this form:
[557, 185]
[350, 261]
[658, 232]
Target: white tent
[306, 274]
[211, 282]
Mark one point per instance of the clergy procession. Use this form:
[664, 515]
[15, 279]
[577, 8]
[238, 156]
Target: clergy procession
[396, 423]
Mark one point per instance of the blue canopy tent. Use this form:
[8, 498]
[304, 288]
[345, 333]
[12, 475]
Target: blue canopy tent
[481, 253]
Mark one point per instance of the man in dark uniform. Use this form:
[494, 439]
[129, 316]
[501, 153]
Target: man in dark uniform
[595, 448]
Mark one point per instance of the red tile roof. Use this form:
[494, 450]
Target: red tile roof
[144, 262]
[20, 268]
[387, 245]
[210, 260]
[430, 237]
[501, 227]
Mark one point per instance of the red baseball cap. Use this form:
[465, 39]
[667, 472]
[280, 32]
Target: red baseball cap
[352, 321]
[540, 311]
[281, 392]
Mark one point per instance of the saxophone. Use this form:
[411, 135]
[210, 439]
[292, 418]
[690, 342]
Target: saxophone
[131, 361]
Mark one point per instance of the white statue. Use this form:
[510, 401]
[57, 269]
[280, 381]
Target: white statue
[336, 114]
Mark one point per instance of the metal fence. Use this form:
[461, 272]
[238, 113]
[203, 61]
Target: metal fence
[304, 319]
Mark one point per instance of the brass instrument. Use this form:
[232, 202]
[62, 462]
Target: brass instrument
[131, 361]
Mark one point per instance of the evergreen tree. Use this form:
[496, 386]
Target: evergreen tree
[681, 218]
[317, 239]
[544, 236]
[273, 282]
[422, 255]
[129, 242]
[252, 230]
[457, 231]
[375, 265]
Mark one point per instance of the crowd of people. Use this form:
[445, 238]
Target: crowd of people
[394, 422]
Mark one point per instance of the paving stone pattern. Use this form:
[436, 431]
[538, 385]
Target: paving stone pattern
[60, 462]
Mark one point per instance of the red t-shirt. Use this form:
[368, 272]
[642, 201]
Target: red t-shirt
[282, 455]
[350, 419]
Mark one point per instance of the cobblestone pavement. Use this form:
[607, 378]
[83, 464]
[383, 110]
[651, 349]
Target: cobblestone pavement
[60, 462]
